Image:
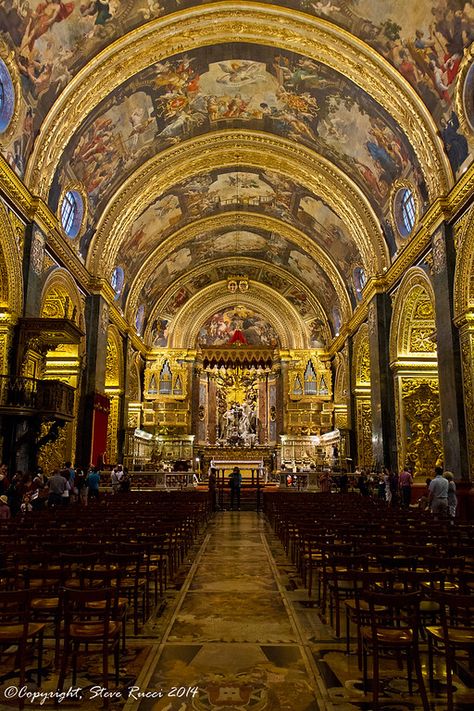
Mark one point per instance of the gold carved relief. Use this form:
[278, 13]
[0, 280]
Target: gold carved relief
[421, 414]
[364, 432]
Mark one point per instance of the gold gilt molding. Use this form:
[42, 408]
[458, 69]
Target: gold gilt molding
[236, 263]
[238, 220]
[284, 318]
[11, 276]
[361, 359]
[414, 285]
[242, 150]
[250, 23]
[464, 121]
[464, 271]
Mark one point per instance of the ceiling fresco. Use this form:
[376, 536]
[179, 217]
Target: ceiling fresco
[261, 246]
[299, 296]
[237, 325]
[262, 191]
[248, 86]
[52, 40]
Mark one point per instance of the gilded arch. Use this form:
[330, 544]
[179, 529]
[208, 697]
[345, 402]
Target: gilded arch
[183, 331]
[11, 277]
[225, 150]
[228, 220]
[414, 363]
[254, 24]
[113, 388]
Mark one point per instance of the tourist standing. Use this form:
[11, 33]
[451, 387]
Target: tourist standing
[405, 481]
[212, 485]
[235, 485]
[438, 494]
[452, 497]
[57, 487]
[92, 481]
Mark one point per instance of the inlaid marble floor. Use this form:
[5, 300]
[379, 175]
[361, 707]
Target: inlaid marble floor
[241, 636]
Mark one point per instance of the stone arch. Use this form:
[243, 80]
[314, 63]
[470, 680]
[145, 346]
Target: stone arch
[252, 221]
[413, 320]
[413, 359]
[284, 318]
[60, 298]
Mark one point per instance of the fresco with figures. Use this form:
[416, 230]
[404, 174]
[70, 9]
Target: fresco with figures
[261, 191]
[53, 40]
[257, 245]
[251, 87]
[192, 283]
[237, 326]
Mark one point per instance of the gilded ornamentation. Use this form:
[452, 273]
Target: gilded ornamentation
[259, 24]
[420, 398]
[364, 432]
[290, 328]
[228, 221]
[463, 109]
[11, 275]
[467, 359]
[413, 318]
[53, 453]
[19, 228]
[464, 273]
[37, 251]
[439, 252]
[361, 357]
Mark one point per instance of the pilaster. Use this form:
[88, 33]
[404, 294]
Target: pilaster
[453, 427]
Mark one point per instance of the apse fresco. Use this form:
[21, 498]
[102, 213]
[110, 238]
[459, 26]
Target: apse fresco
[251, 87]
[237, 326]
[53, 40]
[215, 245]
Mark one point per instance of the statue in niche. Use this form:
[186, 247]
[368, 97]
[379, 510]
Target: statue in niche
[238, 425]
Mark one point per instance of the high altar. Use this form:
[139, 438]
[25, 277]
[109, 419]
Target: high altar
[235, 399]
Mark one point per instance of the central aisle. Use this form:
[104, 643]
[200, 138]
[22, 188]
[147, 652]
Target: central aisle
[232, 634]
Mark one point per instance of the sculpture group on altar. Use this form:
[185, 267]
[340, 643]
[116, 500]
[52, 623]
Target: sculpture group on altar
[238, 425]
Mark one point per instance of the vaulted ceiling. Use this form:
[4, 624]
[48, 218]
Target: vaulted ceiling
[236, 137]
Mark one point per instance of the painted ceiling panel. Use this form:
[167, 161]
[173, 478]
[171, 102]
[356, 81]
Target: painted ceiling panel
[261, 246]
[247, 86]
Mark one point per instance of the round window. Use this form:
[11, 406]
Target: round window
[140, 319]
[72, 212]
[7, 97]
[117, 281]
[405, 211]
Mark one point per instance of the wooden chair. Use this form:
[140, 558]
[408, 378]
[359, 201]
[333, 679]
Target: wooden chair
[454, 634]
[16, 628]
[86, 624]
[397, 631]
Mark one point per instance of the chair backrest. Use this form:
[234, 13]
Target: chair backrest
[456, 610]
[78, 608]
[15, 608]
[403, 610]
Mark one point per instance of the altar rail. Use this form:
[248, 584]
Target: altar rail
[155, 480]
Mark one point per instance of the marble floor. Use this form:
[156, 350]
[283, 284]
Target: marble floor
[236, 632]
[242, 636]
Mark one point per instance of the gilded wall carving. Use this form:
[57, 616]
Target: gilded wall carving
[364, 432]
[420, 398]
[467, 358]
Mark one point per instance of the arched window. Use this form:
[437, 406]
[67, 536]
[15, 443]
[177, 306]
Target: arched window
[7, 97]
[140, 319]
[117, 281]
[72, 212]
[310, 379]
[404, 211]
[165, 379]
